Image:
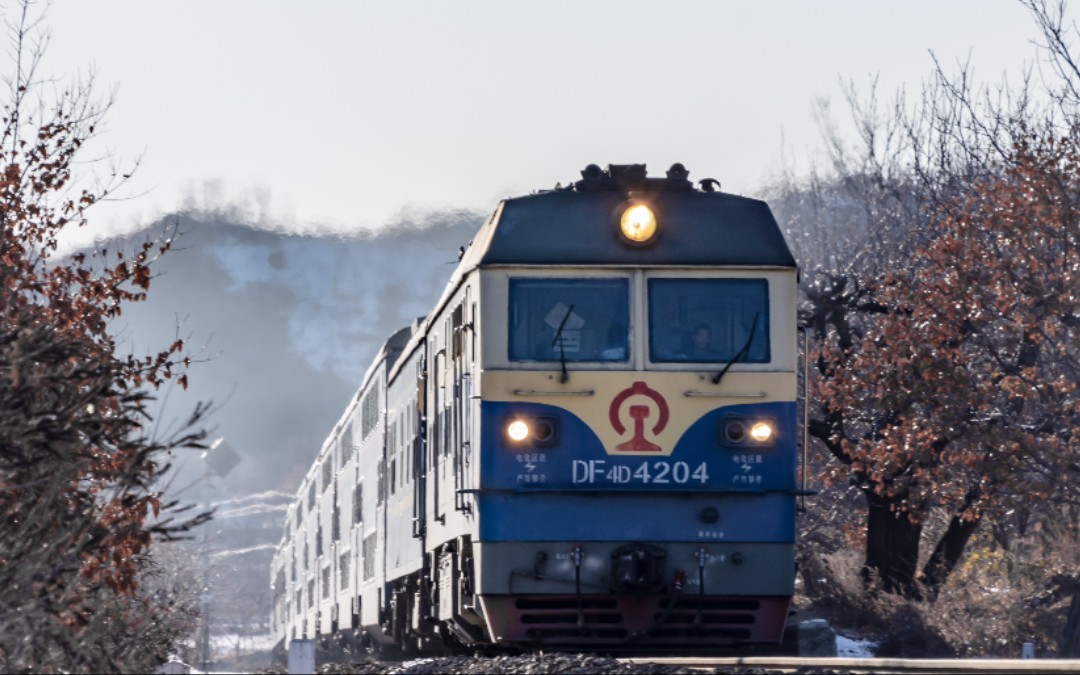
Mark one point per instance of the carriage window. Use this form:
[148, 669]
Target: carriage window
[709, 320]
[583, 319]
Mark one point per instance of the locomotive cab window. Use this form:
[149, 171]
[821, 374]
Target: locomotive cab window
[708, 320]
[571, 319]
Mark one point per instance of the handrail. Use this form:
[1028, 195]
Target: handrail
[693, 393]
[542, 392]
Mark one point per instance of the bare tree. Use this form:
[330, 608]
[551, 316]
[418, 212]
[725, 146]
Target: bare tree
[942, 257]
[79, 473]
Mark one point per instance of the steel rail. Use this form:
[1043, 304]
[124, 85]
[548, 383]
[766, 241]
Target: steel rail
[865, 665]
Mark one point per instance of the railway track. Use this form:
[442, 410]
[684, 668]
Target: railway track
[789, 664]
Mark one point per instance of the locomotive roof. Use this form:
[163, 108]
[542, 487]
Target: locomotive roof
[578, 225]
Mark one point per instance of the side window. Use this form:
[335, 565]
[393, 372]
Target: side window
[457, 320]
[347, 442]
[709, 320]
[575, 319]
[335, 522]
[380, 487]
[358, 504]
[369, 413]
[327, 470]
[472, 335]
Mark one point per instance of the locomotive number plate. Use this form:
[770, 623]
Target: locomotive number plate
[656, 472]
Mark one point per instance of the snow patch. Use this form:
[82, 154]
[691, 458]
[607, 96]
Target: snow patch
[852, 648]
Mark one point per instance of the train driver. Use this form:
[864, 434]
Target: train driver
[700, 345]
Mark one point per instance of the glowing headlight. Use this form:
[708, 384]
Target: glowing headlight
[740, 432]
[526, 432]
[761, 432]
[638, 223]
[517, 430]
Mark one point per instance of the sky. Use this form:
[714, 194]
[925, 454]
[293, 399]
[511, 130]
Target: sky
[344, 115]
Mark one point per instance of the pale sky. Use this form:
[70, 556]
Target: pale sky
[341, 114]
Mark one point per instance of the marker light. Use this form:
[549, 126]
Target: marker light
[517, 430]
[543, 430]
[735, 432]
[761, 432]
[638, 223]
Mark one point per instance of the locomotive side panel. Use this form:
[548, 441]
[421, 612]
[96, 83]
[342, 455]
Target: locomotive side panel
[404, 550]
[451, 418]
[309, 501]
[367, 530]
[331, 552]
[279, 588]
[324, 541]
[347, 487]
[370, 534]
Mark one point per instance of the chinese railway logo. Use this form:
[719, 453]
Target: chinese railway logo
[638, 414]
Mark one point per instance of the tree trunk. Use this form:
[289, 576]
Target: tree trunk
[1069, 648]
[947, 553]
[892, 547]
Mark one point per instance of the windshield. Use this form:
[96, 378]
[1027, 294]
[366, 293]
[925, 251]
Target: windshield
[583, 319]
[708, 320]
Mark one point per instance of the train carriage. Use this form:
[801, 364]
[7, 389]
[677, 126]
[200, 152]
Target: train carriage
[590, 442]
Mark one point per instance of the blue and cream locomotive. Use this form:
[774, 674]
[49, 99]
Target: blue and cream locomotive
[589, 442]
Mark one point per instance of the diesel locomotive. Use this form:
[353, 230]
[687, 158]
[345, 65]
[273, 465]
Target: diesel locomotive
[589, 443]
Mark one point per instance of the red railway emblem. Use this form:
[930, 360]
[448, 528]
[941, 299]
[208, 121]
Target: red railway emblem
[638, 415]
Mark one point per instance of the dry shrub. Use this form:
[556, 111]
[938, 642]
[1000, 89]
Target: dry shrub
[993, 603]
[832, 588]
[999, 599]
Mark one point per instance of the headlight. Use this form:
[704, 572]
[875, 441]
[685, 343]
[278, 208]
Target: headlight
[517, 430]
[531, 431]
[747, 433]
[638, 223]
[761, 432]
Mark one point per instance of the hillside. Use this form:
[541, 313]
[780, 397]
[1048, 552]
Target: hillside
[283, 327]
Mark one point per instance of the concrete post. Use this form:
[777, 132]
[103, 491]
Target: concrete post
[816, 638]
[173, 667]
[302, 657]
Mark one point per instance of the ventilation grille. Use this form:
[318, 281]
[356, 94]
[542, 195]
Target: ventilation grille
[613, 620]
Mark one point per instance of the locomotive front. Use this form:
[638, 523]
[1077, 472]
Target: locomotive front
[637, 417]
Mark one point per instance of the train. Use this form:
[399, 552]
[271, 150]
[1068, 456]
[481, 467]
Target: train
[589, 443]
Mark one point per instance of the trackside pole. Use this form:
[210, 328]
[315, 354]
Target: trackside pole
[301, 657]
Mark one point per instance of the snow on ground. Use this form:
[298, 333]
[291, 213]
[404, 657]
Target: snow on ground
[227, 643]
[852, 648]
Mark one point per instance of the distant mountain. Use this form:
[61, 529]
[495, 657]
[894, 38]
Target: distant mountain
[286, 325]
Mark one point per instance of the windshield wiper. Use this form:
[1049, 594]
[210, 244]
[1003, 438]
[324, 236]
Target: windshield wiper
[742, 352]
[562, 348]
